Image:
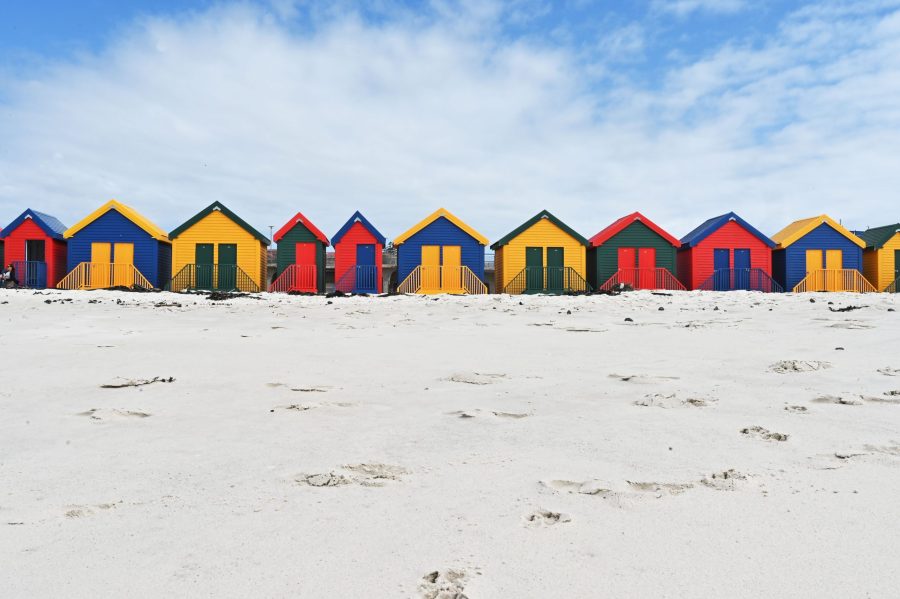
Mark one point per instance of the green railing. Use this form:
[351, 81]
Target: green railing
[547, 279]
[213, 277]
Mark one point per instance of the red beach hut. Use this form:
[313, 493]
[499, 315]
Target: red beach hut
[725, 253]
[358, 248]
[36, 248]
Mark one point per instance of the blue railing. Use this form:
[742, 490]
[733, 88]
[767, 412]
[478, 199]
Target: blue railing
[359, 279]
[736, 279]
[31, 274]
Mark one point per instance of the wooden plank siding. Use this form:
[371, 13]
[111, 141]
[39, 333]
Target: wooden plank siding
[695, 264]
[55, 251]
[345, 251]
[789, 264]
[879, 265]
[286, 254]
[603, 260]
[543, 234]
[440, 232]
[217, 228]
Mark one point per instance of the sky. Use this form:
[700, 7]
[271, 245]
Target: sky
[592, 109]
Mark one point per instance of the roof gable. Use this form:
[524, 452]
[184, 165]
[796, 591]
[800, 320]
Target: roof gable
[542, 215]
[50, 225]
[299, 219]
[798, 229]
[441, 212]
[876, 237]
[626, 221]
[714, 224]
[357, 218]
[221, 208]
[126, 211]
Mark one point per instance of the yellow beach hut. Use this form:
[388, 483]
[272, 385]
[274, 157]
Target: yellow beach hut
[217, 250]
[543, 255]
[881, 258]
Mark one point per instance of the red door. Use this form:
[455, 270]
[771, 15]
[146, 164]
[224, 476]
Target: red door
[627, 263]
[305, 259]
[647, 268]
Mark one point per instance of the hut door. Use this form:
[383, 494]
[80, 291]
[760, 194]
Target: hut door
[227, 279]
[647, 268]
[34, 275]
[101, 266]
[307, 278]
[627, 266]
[431, 269]
[366, 279]
[555, 270]
[721, 269]
[742, 269]
[534, 270]
[834, 264]
[123, 263]
[814, 271]
[34, 250]
[451, 273]
[204, 259]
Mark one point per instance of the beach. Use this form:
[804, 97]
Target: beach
[642, 445]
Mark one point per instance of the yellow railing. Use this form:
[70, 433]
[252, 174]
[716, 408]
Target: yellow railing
[99, 275]
[845, 279]
[442, 279]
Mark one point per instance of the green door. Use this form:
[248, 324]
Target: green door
[534, 270]
[897, 271]
[203, 263]
[227, 266]
[555, 270]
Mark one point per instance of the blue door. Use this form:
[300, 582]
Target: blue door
[742, 269]
[721, 270]
[366, 275]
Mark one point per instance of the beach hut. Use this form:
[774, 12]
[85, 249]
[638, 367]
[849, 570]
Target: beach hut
[819, 254]
[36, 248]
[358, 249]
[543, 255]
[300, 257]
[217, 250]
[441, 254]
[633, 251]
[881, 258]
[116, 246]
[726, 253]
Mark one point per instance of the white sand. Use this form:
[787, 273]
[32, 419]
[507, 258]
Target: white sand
[500, 451]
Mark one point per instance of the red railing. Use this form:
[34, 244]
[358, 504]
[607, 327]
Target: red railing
[644, 278]
[300, 278]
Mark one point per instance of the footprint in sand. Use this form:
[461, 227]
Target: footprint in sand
[546, 518]
[763, 433]
[476, 378]
[723, 481]
[838, 400]
[468, 414]
[789, 366]
[660, 400]
[797, 409]
[631, 489]
[366, 475]
[642, 378]
[886, 371]
[111, 414]
[448, 584]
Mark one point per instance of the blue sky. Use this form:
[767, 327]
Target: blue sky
[682, 109]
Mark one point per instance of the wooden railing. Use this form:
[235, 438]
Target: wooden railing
[845, 279]
[31, 274]
[550, 279]
[210, 277]
[893, 287]
[99, 275]
[442, 279]
[359, 279]
[297, 278]
[738, 279]
[643, 278]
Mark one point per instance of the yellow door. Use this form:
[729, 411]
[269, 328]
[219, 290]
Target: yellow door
[451, 281]
[814, 274]
[834, 264]
[431, 268]
[101, 259]
[123, 259]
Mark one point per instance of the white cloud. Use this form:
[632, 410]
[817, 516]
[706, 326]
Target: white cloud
[406, 116]
[683, 8]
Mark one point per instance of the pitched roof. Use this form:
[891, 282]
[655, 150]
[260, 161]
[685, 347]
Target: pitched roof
[126, 211]
[48, 224]
[299, 218]
[543, 214]
[621, 224]
[876, 237]
[799, 228]
[357, 218]
[712, 225]
[218, 207]
[441, 212]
